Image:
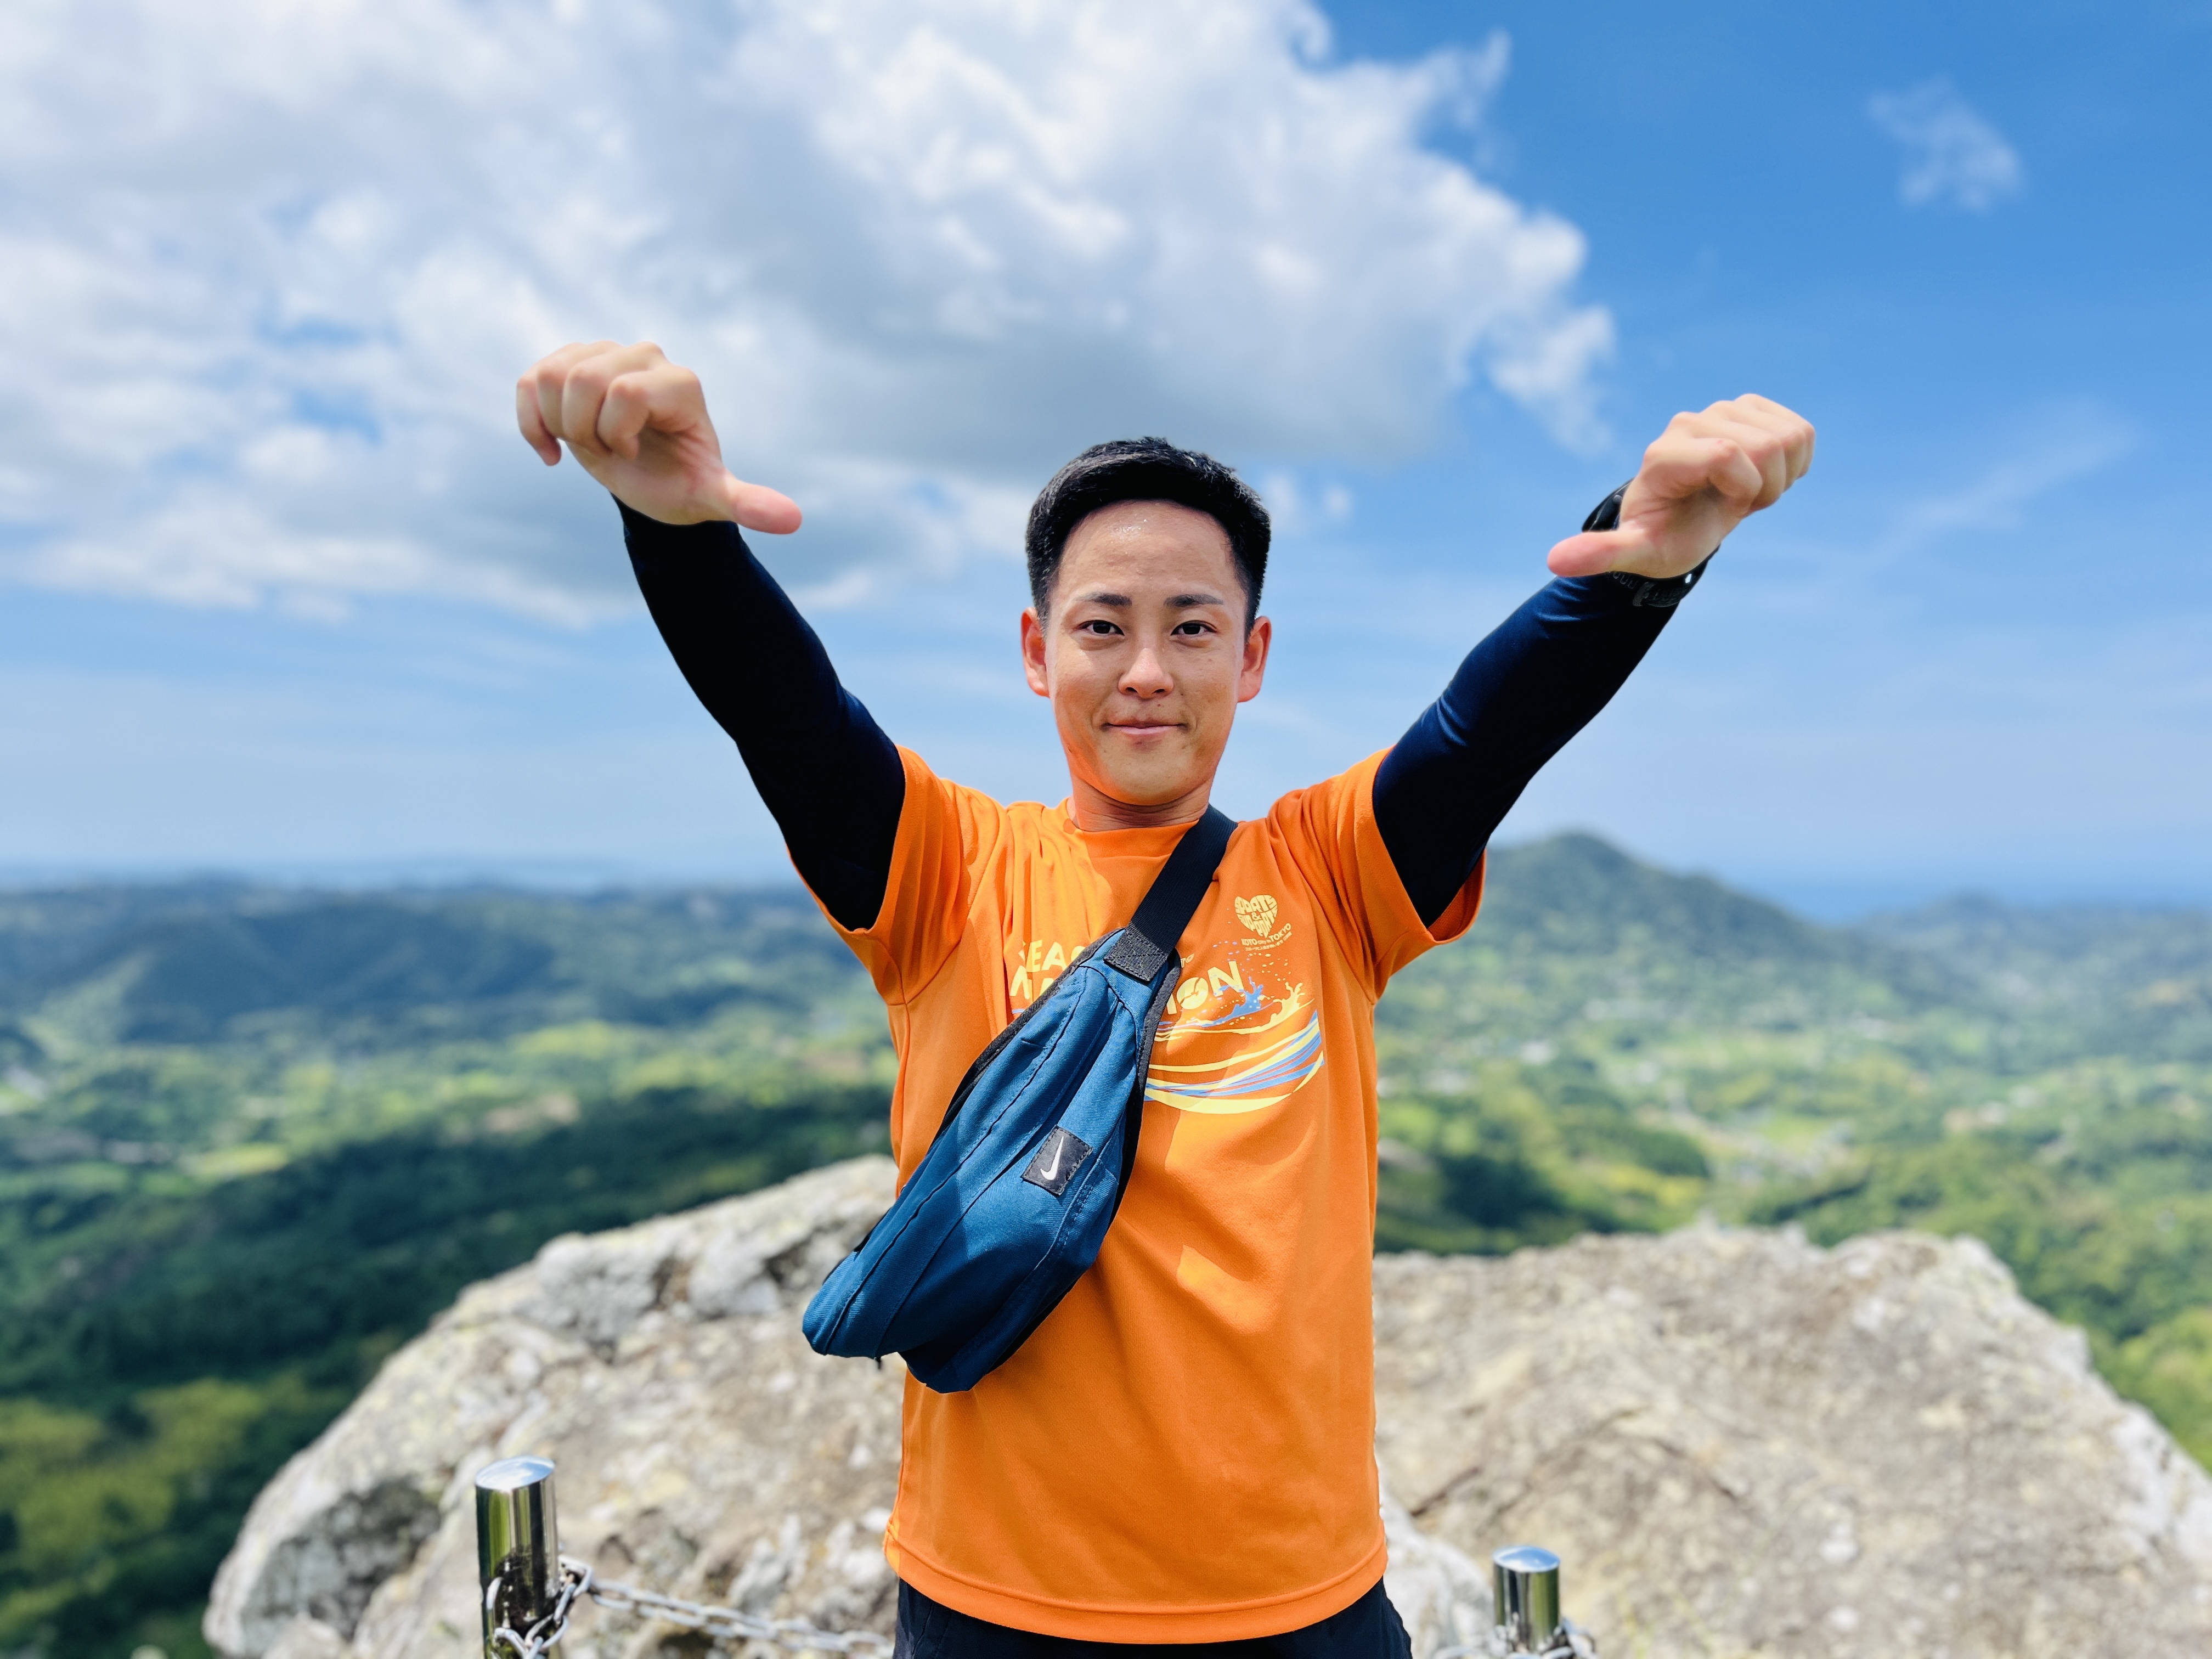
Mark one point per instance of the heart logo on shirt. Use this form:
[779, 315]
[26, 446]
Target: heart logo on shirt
[1257, 914]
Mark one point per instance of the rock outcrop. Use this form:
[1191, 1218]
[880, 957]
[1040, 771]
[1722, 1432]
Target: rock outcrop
[1740, 1444]
[1743, 1444]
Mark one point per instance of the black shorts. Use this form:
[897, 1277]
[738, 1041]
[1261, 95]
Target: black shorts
[1369, 1629]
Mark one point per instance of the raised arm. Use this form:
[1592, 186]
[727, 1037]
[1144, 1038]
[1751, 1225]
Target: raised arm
[831, 779]
[1544, 673]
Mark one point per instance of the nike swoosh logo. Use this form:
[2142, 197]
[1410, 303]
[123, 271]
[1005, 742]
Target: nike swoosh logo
[1058, 1158]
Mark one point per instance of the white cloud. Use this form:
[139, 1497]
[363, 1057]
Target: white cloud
[1951, 154]
[1301, 509]
[2062, 444]
[272, 267]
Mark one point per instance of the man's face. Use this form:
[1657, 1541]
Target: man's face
[1144, 653]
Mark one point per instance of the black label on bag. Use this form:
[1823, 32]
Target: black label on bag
[1056, 1162]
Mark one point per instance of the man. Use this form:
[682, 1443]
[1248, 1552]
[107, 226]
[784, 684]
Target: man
[1181, 1456]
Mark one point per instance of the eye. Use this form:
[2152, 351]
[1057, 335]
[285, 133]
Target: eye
[1098, 627]
[1194, 628]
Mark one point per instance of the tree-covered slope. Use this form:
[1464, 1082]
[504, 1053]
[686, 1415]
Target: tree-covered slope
[2107, 978]
[216, 964]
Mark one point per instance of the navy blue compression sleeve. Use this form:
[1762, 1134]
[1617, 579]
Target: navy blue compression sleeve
[1540, 678]
[829, 776]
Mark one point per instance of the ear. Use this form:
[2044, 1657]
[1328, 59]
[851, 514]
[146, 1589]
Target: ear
[1254, 668]
[1033, 654]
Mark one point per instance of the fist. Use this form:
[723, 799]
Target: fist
[638, 423]
[1706, 474]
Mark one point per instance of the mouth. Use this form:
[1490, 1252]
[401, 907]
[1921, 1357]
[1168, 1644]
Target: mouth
[1143, 728]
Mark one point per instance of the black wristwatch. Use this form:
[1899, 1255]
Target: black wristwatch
[1652, 592]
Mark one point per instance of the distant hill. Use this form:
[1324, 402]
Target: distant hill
[1567, 919]
[1572, 924]
[2114, 978]
[214, 962]
[1569, 923]
[43, 929]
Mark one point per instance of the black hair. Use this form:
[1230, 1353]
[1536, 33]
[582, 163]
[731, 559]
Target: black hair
[1146, 470]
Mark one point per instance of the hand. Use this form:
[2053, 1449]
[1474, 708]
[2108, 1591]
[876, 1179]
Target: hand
[1705, 476]
[638, 423]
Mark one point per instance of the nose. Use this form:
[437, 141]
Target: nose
[1148, 676]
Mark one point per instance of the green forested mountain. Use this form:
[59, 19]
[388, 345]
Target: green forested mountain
[223, 963]
[251, 1139]
[2076, 978]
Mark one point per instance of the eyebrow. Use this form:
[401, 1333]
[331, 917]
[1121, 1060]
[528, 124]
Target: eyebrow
[1178, 601]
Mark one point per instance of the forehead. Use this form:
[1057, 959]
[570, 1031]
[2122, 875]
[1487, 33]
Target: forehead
[1149, 544]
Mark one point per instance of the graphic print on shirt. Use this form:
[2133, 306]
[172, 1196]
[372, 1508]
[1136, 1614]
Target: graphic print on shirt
[1240, 1034]
[1030, 972]
[1258, 913]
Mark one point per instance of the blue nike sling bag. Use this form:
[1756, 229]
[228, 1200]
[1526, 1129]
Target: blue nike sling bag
[1013, 1199]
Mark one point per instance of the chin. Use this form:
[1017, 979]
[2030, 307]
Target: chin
[1151, 789]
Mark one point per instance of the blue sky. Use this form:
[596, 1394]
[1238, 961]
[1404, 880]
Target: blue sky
[277, 594]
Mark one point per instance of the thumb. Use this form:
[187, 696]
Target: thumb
[1595, 551]
[755, 507]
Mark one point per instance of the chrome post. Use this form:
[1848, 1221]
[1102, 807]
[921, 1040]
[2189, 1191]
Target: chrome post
[518, 1545]
[1528, 1591]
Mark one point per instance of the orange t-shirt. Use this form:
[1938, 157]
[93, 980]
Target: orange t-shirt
[1184, 1449]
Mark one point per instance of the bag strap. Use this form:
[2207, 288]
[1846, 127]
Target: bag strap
[1149, 940]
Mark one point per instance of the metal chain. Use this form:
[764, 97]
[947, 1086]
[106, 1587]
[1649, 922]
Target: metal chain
[722, 1624]
[575, 1581]
[728, 1625]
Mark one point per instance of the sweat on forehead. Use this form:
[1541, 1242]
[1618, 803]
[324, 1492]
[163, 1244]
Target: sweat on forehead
[1147, 554]
[1146, 470]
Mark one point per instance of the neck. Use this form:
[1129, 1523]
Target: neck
[1093, 809]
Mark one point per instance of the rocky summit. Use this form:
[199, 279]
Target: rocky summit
[1740, 1443]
